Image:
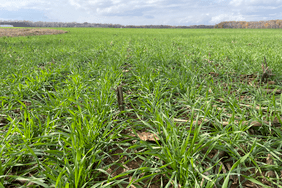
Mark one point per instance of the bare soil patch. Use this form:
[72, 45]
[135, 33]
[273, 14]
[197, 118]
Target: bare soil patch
[11, 32]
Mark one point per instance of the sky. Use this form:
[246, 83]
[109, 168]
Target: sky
[141, 12]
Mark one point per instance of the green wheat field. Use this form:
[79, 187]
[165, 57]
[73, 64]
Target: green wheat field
[200, 108]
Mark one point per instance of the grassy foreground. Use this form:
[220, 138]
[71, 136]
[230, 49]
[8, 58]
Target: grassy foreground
[200, 110]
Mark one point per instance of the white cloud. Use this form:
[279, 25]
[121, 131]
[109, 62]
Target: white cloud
[226, 17]
[255, 2]
[74, 3]
[141, 12]
[237, 3]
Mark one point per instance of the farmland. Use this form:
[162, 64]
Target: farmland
[195, 108]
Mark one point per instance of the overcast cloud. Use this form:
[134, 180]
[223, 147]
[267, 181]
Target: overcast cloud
[141, 12]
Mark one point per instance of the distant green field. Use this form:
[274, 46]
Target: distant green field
[199, 109]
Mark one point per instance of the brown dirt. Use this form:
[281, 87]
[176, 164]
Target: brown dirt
[15, 32]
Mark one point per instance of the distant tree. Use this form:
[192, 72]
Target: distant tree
[246, 25]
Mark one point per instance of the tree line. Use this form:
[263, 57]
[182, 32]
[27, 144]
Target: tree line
[270, 24]
[274, 24]
[86, 24]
